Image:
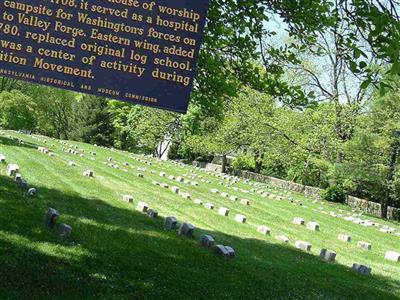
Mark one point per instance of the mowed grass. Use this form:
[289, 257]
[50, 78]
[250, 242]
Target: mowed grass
[116, 252]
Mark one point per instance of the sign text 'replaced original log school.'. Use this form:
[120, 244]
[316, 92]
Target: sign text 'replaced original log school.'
[139, 51]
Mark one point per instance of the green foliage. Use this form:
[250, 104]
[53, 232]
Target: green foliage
[243, 162]
[17, 111]
[334, 194]
[91, 121]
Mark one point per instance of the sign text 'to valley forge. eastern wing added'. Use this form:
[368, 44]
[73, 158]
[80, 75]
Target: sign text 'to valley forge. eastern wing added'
[140, 51]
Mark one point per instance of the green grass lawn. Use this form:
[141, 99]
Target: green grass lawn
[116, 252]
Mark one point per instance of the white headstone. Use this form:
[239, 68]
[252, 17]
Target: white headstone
[233, 198]
[142, 207]
[364, 245]
[344, 238]
[175, 189]
[240, 218]
[283, 238]
[88, 173]
[313, 226]
[392, 256]
[127, 198]
[298, 221]
[223, 211]
[327, 255]
[209, 206]
[245, 202]
[198, 202]
[302, 245]
[263, 229]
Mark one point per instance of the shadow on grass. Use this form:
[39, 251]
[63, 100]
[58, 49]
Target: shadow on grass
[14, 142]
[118, 253]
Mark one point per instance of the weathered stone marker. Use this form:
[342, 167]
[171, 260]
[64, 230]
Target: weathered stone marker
[209, 206]
[175, 189]
[152, 213]
[364, 270]
[223, 211]
[313, 226]
[302, 245]
[245, 202]
[170, 223]
[142, 207]
[392, 256]
[51, 218]
[327, 255]
[231, 251]
[88, 173]
[240, 218]
[186, 229]
[364, 245]
[224, 251]
[206, 241]
[17, 177]
[185, 196]
[64, 231]
[263, 229]
[198, 202]
[233, 198]
[214, 191]
[344, 238]
[31, 192]
[2, 159]
[282, 238]
[127, 198]
[298, 221]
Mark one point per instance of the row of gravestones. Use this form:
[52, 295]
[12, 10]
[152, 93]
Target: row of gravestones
[185, 229]
[326, 254]
[13, 170]
[330, 255]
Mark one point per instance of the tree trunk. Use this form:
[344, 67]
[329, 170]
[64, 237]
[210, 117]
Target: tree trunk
[392, 163]
[224, 163]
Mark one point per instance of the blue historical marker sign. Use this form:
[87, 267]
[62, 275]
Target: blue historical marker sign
[140, 51]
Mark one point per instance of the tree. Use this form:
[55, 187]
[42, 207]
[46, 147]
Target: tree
[90, 121]
[17, 111]
[54, 108]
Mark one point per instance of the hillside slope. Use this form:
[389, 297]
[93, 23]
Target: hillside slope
[115, 252]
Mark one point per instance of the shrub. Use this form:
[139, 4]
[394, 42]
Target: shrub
[334, 194]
